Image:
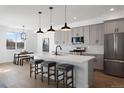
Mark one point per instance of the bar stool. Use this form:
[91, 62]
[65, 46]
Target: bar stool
[34, 65]
[50, 65]
[64, 69]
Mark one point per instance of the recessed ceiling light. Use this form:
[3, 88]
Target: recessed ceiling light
[74, 18]
[112, 9]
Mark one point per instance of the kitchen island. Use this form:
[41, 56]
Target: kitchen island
[83, 66]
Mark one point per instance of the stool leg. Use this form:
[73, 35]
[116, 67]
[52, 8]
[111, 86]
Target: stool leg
[57, 78]
[55, 73]
[41, 73]
[72, 79]
[22, 62]
[18, 60]
[35, 71]
[48, 75]
[30, 70]
[66, 79]
[63, 78]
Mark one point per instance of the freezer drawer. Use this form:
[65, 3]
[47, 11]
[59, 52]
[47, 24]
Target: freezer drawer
[114, 67]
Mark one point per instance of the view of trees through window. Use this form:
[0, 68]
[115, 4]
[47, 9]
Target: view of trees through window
[14, 40]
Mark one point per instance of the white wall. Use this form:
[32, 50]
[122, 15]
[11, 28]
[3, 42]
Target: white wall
[40, 37]
[7, 55]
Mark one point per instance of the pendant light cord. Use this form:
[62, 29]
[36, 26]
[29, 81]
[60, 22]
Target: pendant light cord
[39, 19]
[65, 13]
[50, 15]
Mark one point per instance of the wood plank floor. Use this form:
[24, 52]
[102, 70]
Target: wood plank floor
[14, 76]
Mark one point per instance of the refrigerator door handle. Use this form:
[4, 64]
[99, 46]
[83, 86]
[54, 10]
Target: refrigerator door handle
[114, 44]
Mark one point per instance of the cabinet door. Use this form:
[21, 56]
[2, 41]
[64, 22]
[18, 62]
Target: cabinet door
[99, 62]
[58, 37]
[100, 34]
[55, 38]
[69, 37]
[120, 25]
[86, 34]
[64, 38]
[110, 27]
[93, 34]
[77, 31]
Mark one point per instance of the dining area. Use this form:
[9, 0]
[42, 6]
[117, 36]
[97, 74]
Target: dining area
[20, 58]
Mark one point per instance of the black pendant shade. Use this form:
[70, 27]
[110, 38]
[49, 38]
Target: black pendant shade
[51, 29]
[65, 27]
[39, 31]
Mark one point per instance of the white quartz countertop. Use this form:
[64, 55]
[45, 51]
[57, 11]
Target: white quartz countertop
[64, 57]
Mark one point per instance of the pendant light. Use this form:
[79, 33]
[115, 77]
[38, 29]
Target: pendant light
[23, 34]
[65, 27]
[39, 31]
[51, 29]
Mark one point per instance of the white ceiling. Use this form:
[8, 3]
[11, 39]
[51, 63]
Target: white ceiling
[16, 16]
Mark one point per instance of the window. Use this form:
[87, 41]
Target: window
[14, 40]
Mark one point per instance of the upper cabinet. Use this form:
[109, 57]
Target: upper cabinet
[114, 26]
[93, 35]
[61, 37]
[77, 31]
[64, 38]
[58, 37]
[120, 26]
[86, 32]
[96, 34]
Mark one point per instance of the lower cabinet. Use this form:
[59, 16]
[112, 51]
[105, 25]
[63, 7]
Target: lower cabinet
[98, 61]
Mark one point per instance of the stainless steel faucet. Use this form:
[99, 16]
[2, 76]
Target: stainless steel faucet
[56, 52]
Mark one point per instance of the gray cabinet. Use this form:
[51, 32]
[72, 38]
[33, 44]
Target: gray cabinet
[96, 34]
[77, 31]
[86, 34]
[58, 37]
[61, 37]
[64, 38]
[110, 27]
[98, 61]
[120, 26]
[114, 26]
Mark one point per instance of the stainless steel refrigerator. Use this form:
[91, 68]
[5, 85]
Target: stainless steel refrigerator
[114, 54]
